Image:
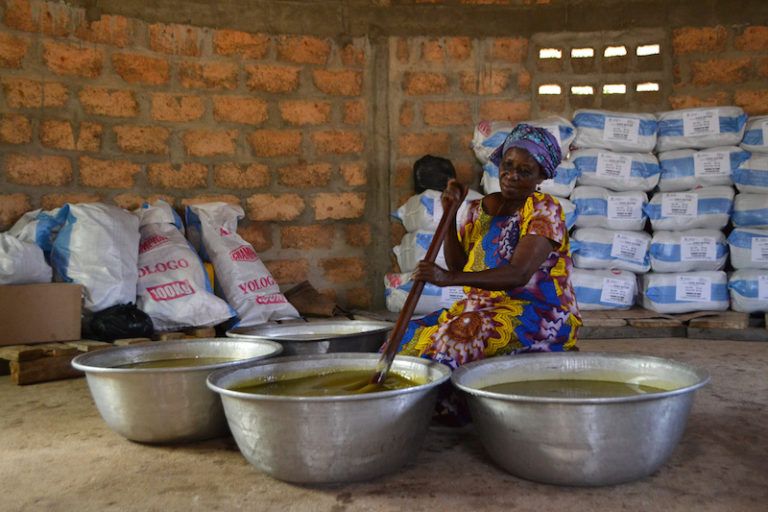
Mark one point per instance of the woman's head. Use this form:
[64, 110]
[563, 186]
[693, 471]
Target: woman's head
[538, 142]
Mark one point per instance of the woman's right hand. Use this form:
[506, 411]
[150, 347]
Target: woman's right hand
[453, 195]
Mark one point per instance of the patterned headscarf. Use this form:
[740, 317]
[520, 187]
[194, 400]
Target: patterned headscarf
[541, 144]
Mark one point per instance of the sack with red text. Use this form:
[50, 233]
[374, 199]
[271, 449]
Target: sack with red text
[245, 282]
[173, 288]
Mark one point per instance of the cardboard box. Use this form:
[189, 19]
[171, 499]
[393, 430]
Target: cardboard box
[39, 313]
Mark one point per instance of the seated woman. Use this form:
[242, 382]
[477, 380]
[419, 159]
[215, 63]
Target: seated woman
[511, 255]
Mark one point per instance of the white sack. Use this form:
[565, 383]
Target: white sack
[569, 211]
[22, 262]
[752, 175]
[98, 247]
[424, 211]
[750, 211]
[561, 185]
[683, 292]
[489, 135]
[616, 171]
[616, 131]
[413, 248]
[40, 227]
[686, 169]
[748, 248]
[598, 248]
[397, 287]
[598, 207]
[756, 134]
[703, 127]
[708, 207]
[245, 282]
[749, 290]
[604, 289]
[173, 286]
[687, 251]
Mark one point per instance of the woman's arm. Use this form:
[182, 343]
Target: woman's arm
[530, 253]
[451, 199]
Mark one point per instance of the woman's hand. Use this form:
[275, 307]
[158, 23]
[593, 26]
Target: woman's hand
[431, 273]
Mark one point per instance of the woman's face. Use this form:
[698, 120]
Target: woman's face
[519, 174]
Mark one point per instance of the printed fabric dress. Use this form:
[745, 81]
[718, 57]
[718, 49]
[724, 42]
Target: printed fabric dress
[541, 316]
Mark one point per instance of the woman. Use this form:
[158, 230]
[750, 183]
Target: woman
[511, 255]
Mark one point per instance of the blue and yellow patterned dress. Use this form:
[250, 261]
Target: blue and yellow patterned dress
[541, 316]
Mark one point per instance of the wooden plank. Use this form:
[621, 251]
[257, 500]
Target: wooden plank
[88, 345]
[672, 331]
[43, 369]
[130, 341]
[723, 320]
[169, 336]
[58, 349]
[654, 322]
[752, 334]
[21, 352]
[603, 322]
[202, 332]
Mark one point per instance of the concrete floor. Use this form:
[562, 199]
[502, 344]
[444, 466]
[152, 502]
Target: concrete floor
[57, 454]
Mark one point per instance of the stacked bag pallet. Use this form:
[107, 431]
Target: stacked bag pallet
[612, 152]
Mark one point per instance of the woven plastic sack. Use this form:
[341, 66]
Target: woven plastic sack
[398, 286]
[40, 227]
[684, 292]
[756, 135]
[423, 211]
[698, 128]
[748, 248]
[598, 207]
[616, 171]
[604, 249]
[686, 169]
[413, 248]
[22, 262]
[750, 211]
[688, 251]
[604, 289]
[616, 131]
[749, 290]
[708, 207]
[752, 175]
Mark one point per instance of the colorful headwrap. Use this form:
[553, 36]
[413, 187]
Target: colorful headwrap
[541, 144]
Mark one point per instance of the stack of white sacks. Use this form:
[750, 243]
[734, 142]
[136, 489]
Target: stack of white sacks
[613, 153]
[748, 241]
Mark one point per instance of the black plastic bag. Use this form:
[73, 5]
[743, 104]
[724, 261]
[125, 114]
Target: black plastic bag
[432, 172]
[121, 321]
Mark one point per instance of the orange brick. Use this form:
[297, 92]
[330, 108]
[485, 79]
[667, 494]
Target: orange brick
[397, 233]
[107, 173]
[417, 144]
[236, 176]
[258, 234]
[402, 50]
[135, 68]
[306, 237]
[89, 137]
[57, 134]
[268, 143]
[179, 108]
[425, 83]
[303, 49]
[48, 18]
[240, 109]
[486, 2]
[267, 207]
[762, 67]
[131, 201]
[208, 143]
[407, 114]
[12, 207]
[432, 51]
[210, 198]
[276, 79]
[244, 44]
[338, 83]
[15, 129]
[524, 81]
[403, 175]
[209, 75]
[682, 102]
[304, 175]
[343, 270]
[20, 92]
[100, 101]
[754, 103]
[753, 39]
[353, 174]
[108, 29]
[184, 176]
[68, 59]
[359, 298]
[509, 49]
[465, 172]
[354, 112]
[720, 71]
[448, 113]
[699, 39]
[288, 271]
[174, 39]
[346, 205]
[337, 142]
[353, 55]
[492, 82]
[12, 51]
[305, 112]
[38, 170]
[51, 201]
[458, 48]
[357, 235]
[505, 110]
[142, 139]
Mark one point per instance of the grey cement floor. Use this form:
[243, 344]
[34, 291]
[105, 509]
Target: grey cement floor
[57, 454]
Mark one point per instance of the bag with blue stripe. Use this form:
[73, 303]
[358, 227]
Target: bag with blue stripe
[598, 207]
[749, 290]
[616, 131]
[750, 211]
[598, 248]
[688, 251]
[684, 292]
[748, 248]
[604, 289]
[752, 175]
[708, 207]
[756, 135]
[686, 169]
[699, 128]
[617, 171]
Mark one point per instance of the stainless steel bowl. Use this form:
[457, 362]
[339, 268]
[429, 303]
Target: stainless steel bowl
[329, 439]
[320, 337]
[580, 441]
[160, 405]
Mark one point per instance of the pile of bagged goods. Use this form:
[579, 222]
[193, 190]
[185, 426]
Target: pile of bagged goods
[650, 201]
[142, 272]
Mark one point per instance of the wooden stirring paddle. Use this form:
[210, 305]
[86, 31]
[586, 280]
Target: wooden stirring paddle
[396, 336]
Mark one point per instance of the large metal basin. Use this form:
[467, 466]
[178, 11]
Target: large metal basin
[580, 441]
[330, 439]
[320, 337]
[160, 405]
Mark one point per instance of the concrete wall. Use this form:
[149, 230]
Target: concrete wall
[310, 114]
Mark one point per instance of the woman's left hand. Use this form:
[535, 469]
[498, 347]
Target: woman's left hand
[431, 273]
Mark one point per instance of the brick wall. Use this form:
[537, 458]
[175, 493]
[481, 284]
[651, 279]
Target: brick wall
[313, 135]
